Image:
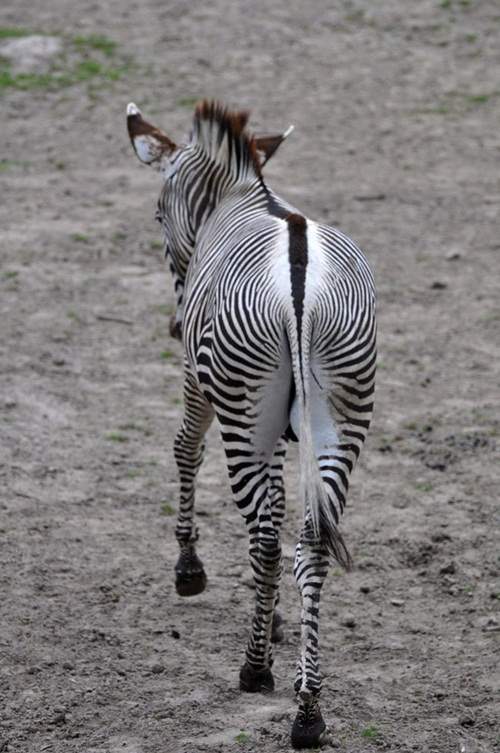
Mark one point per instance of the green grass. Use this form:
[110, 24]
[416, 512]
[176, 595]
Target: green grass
[242, 738]
[370, 732]
[187, 101]
[9, 164]
[116, 436]
[477, 99]
[79, 237]
[166, 354]
[423, 487]
[12, 32]
[167, 509]
[88, 68]
[95, 42]
[9, 275]
[156, 245]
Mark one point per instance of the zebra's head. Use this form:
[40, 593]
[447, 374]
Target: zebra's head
[218, 157]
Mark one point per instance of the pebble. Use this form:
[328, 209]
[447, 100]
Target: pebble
[175, 634]
[449, 569]
[68, 665]
[348, 621]
[397, 602]
[157, 669]
[438, 285]
[365, 589]
[466, 721]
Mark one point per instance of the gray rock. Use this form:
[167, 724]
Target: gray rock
[32, 54]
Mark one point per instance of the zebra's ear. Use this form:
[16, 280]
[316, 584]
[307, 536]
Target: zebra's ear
[150, 143]
[267, 145]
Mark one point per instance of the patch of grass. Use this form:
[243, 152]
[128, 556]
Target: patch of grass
[166, 354]
[424, 486]
[468, 589]
[133, 473]
[80, 237]
[445, 4]
[10, 275]
[72, 314]
[156, 245]
[477, 99]
[242, 738]
[370, 732]
[96, 42]
[93, 52]
[12, 32]
[116, 436]
[120, 235]
[167, 509]
[187, 101]
[471, 38]
[9, 164]
[24, 81]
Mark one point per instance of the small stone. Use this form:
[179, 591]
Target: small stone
[246, 579]
[157, 669]
[438, 285]
[349, 621]
[175, 634]
[439, 694]
[397, 602]
[453, 256]
[449, 569]
[68, 665]
[466, 721]
[59, 718]
[365, 589]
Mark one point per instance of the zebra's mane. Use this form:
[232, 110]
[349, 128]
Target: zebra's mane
[221, 134]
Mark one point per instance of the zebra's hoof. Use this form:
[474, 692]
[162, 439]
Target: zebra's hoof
[309, 729]
[256, 680]
[277, 632]
[190, 578]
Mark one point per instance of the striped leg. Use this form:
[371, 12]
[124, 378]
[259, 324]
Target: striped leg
[250, 483]
[265, 558]
[310, 569]
[188, 449]
[277, 501]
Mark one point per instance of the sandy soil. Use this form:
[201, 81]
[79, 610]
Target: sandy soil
[397, 110]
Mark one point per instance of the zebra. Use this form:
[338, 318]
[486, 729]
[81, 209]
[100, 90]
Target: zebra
[276, 314]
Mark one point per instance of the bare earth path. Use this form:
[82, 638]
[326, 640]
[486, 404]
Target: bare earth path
[397, 112]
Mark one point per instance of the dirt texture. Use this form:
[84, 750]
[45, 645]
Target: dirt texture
[396, 107]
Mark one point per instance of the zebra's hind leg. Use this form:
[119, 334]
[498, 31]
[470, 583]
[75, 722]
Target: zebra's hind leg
[190, 578]
[277, 502]
[265, 558]
[310, 569]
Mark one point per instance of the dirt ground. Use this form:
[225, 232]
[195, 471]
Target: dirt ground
[397, 109]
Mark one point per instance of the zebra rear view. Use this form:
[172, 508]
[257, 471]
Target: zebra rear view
[277, 318]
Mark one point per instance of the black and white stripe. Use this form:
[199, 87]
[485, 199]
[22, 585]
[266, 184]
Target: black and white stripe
[278, 325]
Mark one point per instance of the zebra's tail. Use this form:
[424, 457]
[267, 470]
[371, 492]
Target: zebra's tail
[317, 506]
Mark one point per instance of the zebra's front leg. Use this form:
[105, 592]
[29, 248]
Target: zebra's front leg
[310, 569]
[190, 578]
[265, 558]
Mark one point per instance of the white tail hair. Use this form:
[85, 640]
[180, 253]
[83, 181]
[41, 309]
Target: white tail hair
[317, 506]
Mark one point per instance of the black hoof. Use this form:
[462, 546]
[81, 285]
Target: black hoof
[256, 680]
[190, 578]
[309, 729]
[277, 632]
